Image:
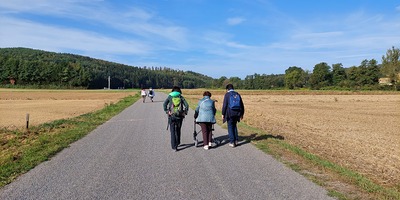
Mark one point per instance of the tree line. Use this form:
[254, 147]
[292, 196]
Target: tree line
[37, 68]
[323, 76]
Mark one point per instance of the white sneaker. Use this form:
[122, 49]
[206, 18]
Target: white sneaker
[210, 144]
[205, 147]
[231, 145]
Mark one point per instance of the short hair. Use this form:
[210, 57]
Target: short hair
[207, 93]
[176, 89]
[229, 87]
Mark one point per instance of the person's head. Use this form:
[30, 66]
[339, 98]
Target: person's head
[176, 89]
[229, 87]
[207, 93]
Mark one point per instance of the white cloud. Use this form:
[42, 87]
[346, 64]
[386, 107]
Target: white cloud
[130, 20]
[18, 33]
[235, 21]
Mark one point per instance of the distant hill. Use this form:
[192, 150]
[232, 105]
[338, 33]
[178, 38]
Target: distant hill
[25, 66]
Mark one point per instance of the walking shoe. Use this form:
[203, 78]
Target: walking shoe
[232, 145]
[206, 147]
[210, 144]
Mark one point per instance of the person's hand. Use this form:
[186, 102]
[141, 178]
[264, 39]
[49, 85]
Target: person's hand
[223, 117]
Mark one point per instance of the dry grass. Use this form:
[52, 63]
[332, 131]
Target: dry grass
[359, 131]
[48, 105]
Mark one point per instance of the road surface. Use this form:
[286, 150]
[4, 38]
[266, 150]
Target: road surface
[129, 157]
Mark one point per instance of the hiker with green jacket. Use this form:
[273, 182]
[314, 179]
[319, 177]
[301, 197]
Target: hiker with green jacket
[176, 107]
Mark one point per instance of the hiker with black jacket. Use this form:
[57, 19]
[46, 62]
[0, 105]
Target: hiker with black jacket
[176, 107]
[232, 113]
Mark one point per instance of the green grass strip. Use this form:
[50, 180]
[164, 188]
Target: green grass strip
[51, 138]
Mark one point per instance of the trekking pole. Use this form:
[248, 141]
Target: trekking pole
[195, 134]
[169, 120]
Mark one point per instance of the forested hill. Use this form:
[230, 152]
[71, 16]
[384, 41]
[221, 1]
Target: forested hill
[48, 69]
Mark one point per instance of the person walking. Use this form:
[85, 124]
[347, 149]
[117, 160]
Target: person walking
[144, 94]
[232, 113]
[205, 117]
[151, 94]
[176, 107]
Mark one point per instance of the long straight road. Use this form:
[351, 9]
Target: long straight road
[129, 157]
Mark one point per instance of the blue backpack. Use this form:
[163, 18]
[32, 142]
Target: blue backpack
[234, 101]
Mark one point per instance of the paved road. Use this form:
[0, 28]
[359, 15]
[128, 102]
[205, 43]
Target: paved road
[129, 157]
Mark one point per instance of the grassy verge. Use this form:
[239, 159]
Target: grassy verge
[339, 181]
[23, 150]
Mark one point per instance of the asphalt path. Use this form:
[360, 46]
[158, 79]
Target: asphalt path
[130, 157]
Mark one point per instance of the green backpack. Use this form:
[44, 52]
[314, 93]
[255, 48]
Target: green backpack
[176, 107]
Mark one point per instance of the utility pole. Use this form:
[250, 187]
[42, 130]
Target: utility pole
[109, 82]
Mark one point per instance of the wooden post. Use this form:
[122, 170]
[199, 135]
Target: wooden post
[27, 121]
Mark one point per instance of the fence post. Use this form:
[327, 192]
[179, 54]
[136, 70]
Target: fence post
[27, 121]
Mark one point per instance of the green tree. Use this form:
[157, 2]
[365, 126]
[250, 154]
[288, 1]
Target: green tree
[391, 66]
[249, 82]
[352, 74]
[295, 77]
[338, 74]
[321, 76]
[236, 82]
[372, 73]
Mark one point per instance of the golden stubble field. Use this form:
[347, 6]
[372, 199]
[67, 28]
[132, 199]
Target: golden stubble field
[358, 131]
[49, 105]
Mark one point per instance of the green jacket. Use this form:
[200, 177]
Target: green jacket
[168, 103]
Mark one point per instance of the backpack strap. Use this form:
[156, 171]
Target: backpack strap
[203, 102]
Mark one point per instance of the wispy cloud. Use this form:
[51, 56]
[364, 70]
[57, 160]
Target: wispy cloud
[142, 31]
[235, 21]
[35, 35]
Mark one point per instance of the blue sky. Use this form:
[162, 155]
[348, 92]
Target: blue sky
[213, 37]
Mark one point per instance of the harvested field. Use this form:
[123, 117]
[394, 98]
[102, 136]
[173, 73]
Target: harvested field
[49, 105]
[357, 130]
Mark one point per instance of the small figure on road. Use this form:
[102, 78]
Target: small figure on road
[205, 117]
[144, 94]
[176, 107]
[151, 94]
[232, 113]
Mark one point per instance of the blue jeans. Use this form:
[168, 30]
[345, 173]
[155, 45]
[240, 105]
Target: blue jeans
[232, 130]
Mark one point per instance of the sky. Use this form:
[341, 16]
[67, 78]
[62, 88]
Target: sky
[231, 38]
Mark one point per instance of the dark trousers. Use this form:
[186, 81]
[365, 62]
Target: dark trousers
[175, 128]
[232, 130]
[206, 129]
